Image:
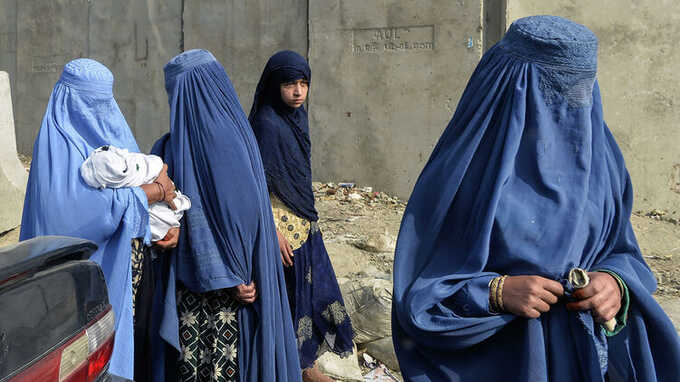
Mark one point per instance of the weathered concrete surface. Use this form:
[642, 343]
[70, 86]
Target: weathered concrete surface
[48, 34]
[8, 38]
[637, 71]
[13, 176]
[135, 39]
[244, 34]
[386, 79]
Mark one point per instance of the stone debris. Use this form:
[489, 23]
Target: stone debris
[349, 193]
[360, 227]
[377, 371]
[383, 349]
[376, 242]
[369, 305]
[341, 369]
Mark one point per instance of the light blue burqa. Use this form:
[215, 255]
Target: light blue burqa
[81, 116]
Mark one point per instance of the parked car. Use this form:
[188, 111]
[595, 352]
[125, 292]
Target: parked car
[56, 323]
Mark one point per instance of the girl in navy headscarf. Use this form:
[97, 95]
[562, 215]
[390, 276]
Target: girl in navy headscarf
[524, 200]
[81, 116]
[279, 120]
[225, 308]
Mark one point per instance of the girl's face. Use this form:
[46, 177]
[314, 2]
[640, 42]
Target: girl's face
[294, 93]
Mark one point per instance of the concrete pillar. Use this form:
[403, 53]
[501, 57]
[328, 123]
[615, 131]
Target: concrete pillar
[13, 176]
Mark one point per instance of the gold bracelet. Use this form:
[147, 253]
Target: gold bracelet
[492, 295]
[500, 292]
[493, 287]
[498, 295]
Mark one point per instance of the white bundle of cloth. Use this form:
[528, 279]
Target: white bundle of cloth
[109, 166]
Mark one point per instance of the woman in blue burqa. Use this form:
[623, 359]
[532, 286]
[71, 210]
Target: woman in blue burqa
[516, 249]
[81, 116]
[225, 308]
[279, 120]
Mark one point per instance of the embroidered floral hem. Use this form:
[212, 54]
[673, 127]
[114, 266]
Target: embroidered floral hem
[320, 319]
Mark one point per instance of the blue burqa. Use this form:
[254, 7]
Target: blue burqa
[526, 180]
[81, 116]
[283, 134]
[228, 236]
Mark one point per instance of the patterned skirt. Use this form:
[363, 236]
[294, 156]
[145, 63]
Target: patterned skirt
[208, 334]
[142, 303]
[320, 320]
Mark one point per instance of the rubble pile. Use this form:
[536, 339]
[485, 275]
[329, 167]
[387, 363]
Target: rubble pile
[360, 229]
[348, 193]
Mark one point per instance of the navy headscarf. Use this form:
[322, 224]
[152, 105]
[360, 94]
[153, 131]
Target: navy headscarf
[228, 237]
[82, 115]
[526, 180]
[282, 133]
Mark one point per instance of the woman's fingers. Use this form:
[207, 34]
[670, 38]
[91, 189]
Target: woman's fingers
[529, 296]
[171, 203]
[246, 294]
[548, 297]
[286, 258]
[552, 286]
[541, 305]
[602, 297]
[289, 250]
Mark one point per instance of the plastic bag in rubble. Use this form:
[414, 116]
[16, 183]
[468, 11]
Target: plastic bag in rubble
[383, 351]
[369, 305]
[378, 373]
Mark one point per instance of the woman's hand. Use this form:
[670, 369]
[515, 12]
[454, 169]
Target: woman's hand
[286, 250]
[169, 241]
[167, 186]
[602, 297]
[245, 294]
[529, 296]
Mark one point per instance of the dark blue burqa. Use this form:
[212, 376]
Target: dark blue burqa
[283, 134]
[228, 236]
[526, 180]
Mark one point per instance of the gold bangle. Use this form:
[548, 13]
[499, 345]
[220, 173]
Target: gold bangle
[493, 294]
[500, 292]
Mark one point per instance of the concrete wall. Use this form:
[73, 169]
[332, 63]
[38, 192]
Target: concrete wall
[638, 75]
[386, 78]
[244, 34]
[387, 75]
[135, 38]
